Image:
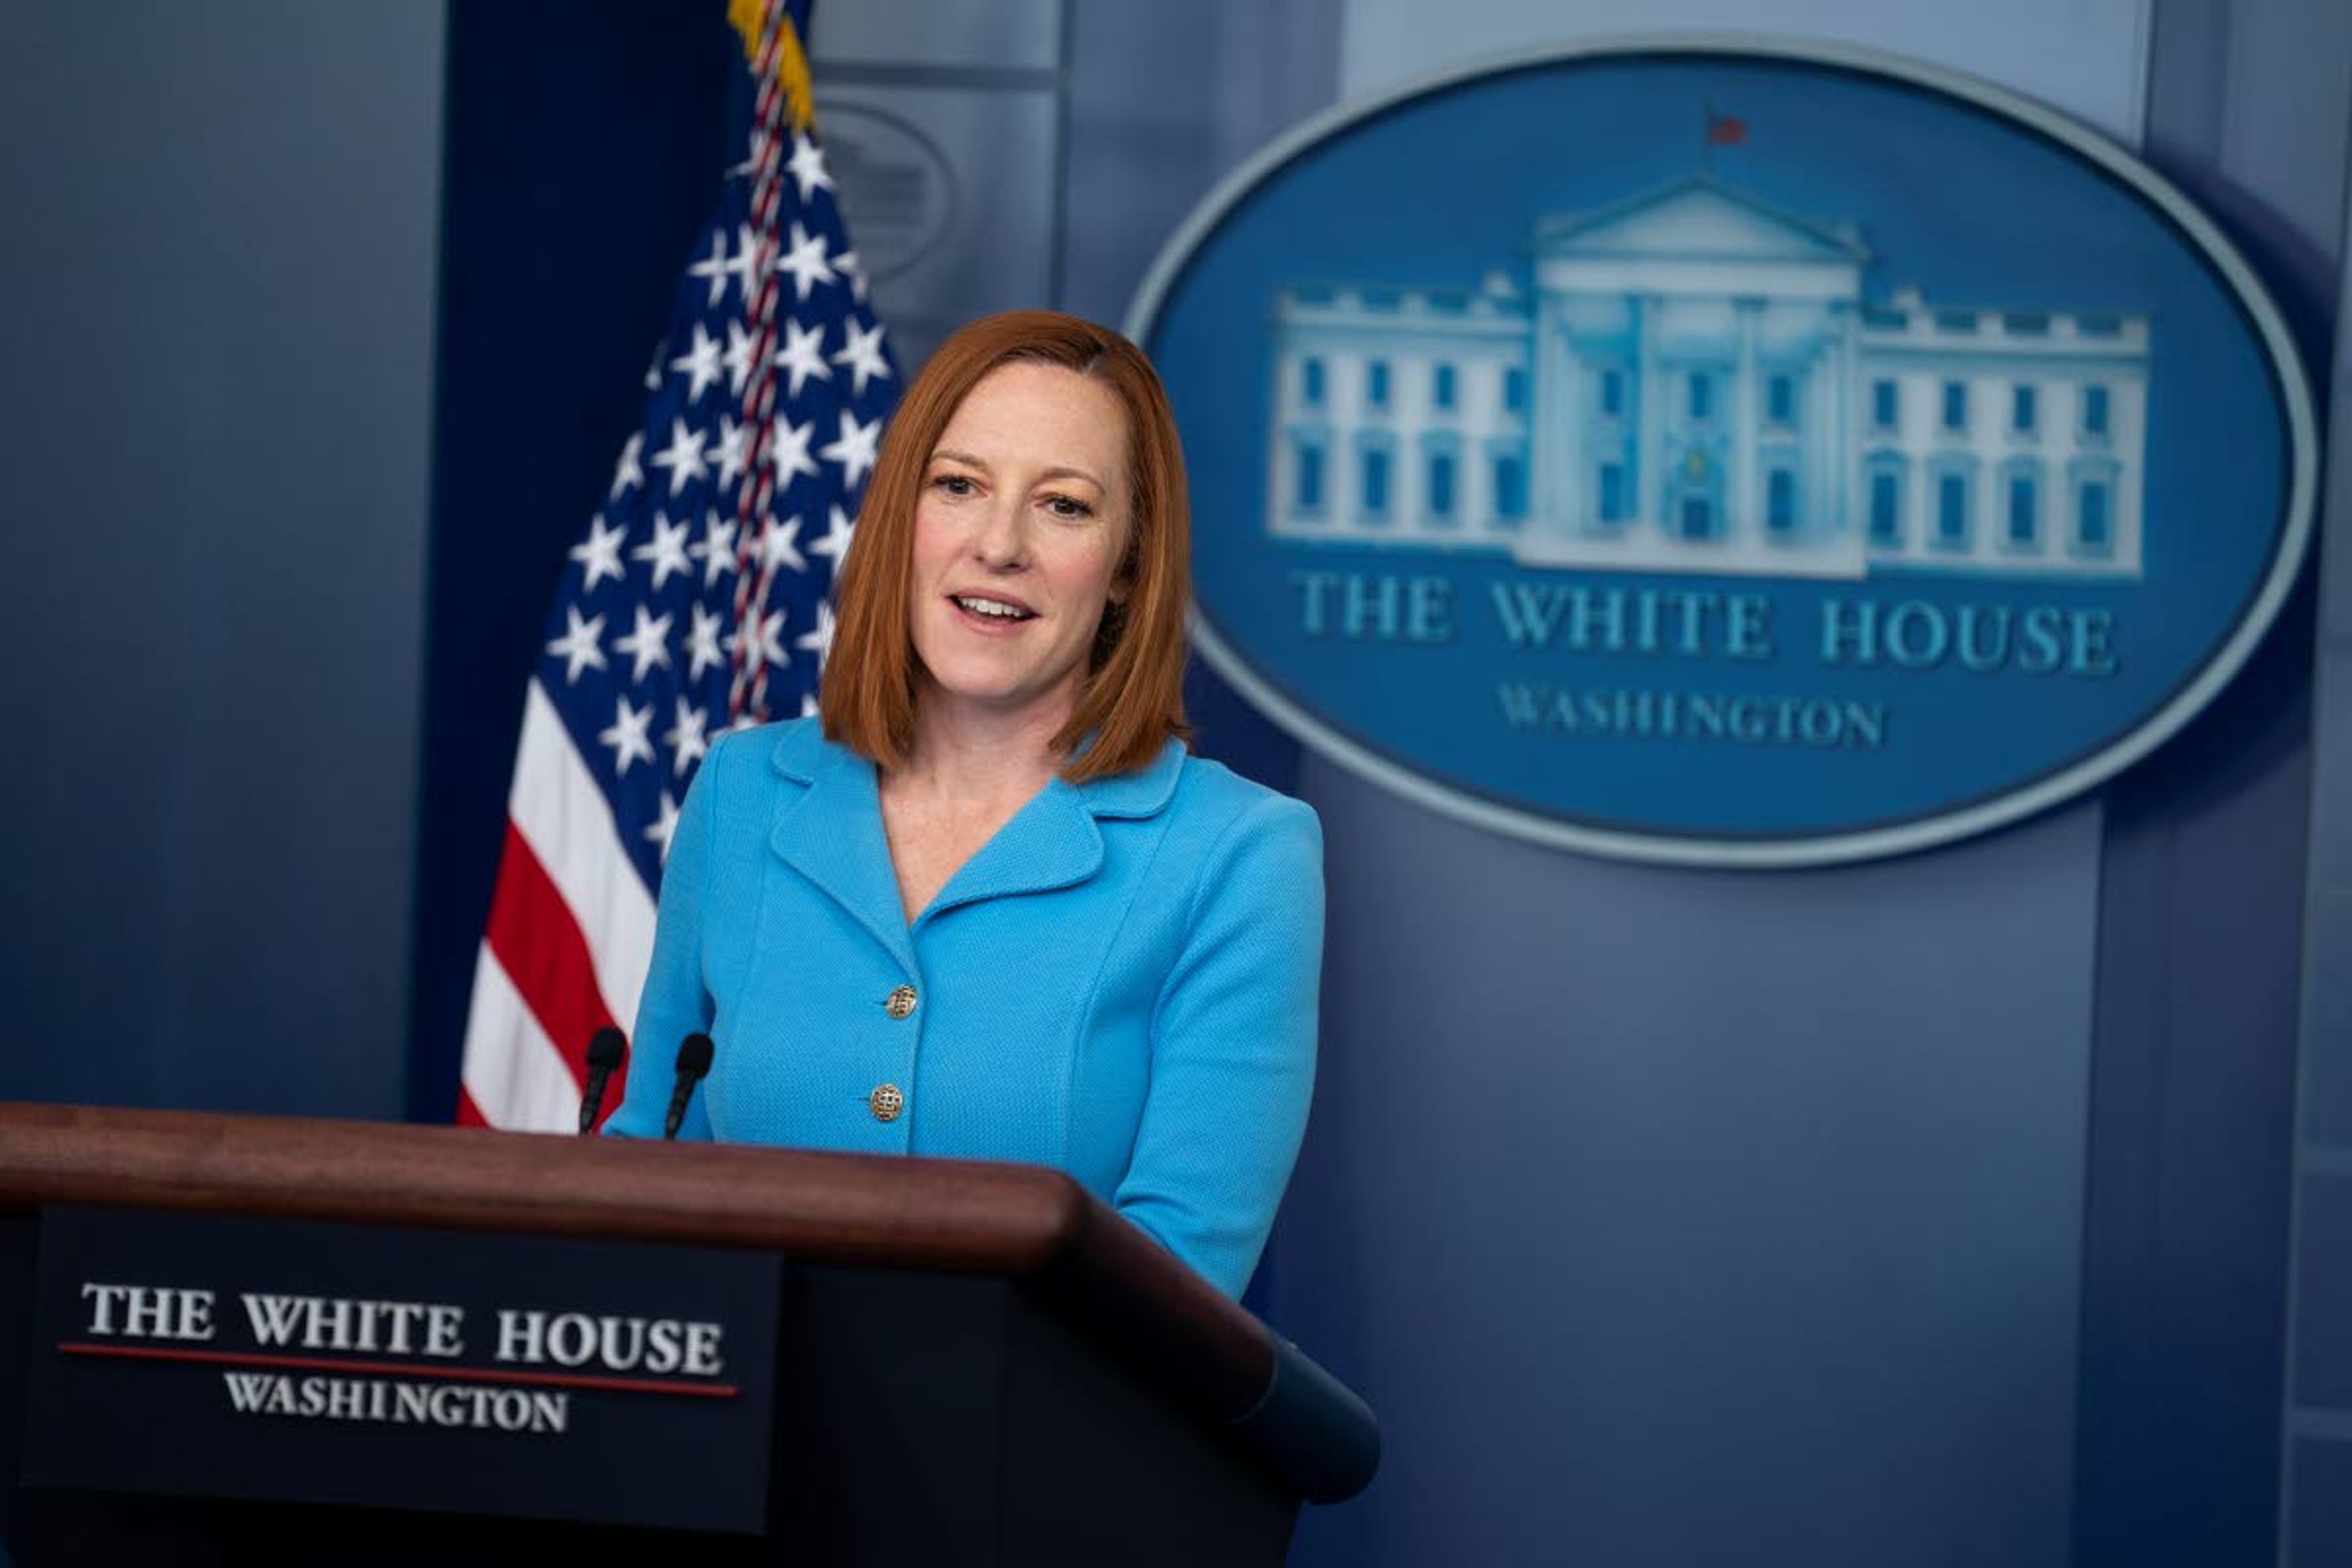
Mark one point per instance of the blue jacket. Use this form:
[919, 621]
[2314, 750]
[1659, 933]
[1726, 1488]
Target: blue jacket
[1121, 983]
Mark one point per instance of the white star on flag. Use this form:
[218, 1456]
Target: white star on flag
[701, 364]
[579, 646]
[788, 450]
[803, 356]
[819, 640]
[852, 448]
[863, 354]
[686, 739]
[664, 827]
[746, 265]
[717, 551]
[779, 546]
[806, 261]
[763, 638]
[734, 453]
[648, 644]
[667, 550]
[627, 735]
[740, 346]
[848, 266]
[807, 167]
[702, 643]
[715, 268]
[683, 456]
[600, 552]
[839, 530]
[626, 474]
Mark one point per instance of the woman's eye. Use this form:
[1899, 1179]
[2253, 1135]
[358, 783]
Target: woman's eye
[1068, 507]
[952, 484]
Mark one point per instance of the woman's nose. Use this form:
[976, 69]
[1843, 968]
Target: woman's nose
[1002, 539]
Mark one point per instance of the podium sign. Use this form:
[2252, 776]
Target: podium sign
[299, 1362]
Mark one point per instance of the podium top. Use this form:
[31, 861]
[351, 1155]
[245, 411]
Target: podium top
[1024, 1223]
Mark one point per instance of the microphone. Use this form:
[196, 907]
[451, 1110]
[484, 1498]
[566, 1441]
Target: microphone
[604, 1050]
[693, 1061]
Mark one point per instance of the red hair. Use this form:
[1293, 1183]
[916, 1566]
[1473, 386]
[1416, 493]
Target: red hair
[1134, 697]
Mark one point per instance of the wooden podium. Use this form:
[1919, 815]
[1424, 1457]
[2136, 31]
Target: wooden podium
[973, 1364]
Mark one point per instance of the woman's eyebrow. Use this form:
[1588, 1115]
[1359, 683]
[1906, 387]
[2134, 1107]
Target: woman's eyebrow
[1059, 471]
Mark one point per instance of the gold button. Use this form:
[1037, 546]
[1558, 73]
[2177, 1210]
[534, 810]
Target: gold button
[886, 1102]
[901, 1002]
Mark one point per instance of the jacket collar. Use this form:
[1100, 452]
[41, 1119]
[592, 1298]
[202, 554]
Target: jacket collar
[832, 833]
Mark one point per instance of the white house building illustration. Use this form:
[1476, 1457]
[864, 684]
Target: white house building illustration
[1696, 384]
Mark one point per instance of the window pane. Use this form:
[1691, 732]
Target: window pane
[1955, 406]
[1780, 399]
[1952, 509]
[1442, 392]
[1510, 487]
[1780, 502]
[2094, 521]
[2021, 511]
[2095, 410]
[1310, 479]
[1441, 484]
[1514, 389]
[2021, 408]
[1613, 491]
[1613, 392]
[1310, 382]
[1702, 395]
[1882, 404]
[1376, 480]
[1885, 514]
[1376, 384]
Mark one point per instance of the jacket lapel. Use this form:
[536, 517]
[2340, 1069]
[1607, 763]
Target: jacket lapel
[832, 833]
[1053, 841]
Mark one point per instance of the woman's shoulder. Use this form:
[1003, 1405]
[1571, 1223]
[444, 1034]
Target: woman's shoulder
[788, 748]
[1253, 853]
[1212, 800]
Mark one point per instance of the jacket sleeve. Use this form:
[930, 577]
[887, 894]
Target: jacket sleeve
[1232, 1046]
[675, 1003]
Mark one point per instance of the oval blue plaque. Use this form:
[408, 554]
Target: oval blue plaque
[1726, 453]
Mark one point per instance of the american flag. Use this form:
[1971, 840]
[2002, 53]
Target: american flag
[696, 600]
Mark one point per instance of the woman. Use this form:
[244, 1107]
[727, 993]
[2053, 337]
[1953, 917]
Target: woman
[990, 907]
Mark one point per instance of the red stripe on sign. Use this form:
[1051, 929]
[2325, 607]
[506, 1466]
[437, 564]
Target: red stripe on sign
[539, 946]
[403, 1369]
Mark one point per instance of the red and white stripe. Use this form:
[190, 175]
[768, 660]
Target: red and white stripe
[565, 950]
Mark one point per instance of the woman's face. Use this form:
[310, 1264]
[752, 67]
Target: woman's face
[1019, 533]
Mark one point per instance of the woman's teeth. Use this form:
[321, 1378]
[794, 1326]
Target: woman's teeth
[994, 609]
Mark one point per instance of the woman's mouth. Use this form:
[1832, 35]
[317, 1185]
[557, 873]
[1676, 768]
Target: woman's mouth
[989, 609]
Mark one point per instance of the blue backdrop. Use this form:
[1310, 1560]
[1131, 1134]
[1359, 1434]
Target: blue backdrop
[1930, 1211]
